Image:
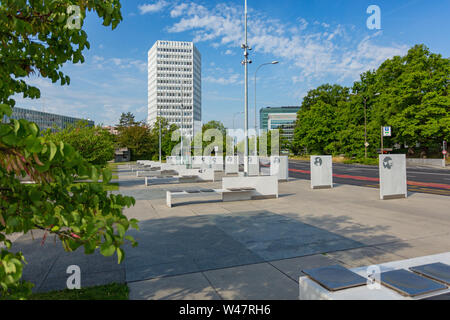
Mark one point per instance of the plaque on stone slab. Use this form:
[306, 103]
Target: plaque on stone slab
[409, 284]
[436, 271]
[193, 191]
[335, 277]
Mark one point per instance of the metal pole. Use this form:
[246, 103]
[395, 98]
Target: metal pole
[182, 118]
[160, 153]
[365, 128]
[246, 94]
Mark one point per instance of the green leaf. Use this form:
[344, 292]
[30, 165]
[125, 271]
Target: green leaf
[107, 249]
[5, 110]
[120, 255]
[53, 150]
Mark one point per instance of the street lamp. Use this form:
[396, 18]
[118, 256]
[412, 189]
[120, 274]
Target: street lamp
[256, 139]
[246, 62]
[366, 144]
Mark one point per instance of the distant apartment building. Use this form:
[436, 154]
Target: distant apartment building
[175, 85]
[46, 120]
[283, 118]
[111, 129]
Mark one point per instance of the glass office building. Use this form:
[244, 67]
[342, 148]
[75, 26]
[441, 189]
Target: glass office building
[46, 120]
[283, 118]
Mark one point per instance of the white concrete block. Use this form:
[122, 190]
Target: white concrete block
[231, 164]
[279, 166]
[311, 290]
[217, 163]
[321, 172]
[393, 182]
[253, 166]
[265, 186]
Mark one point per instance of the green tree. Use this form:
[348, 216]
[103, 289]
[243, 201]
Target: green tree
[38, 37]
[318, 120]
[127, 120]
[167, 144]
[94, 144]
[415, 98]
[139, 140]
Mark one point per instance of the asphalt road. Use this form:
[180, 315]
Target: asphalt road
[420, 179]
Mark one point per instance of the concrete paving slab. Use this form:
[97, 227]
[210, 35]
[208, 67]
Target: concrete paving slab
[186, 287]
[363, 257]
[292, 267]
[53, 283]
[253, 282]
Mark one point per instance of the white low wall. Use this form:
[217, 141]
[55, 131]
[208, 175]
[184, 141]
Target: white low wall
[426, 162]
[265, 186]
[203, 174]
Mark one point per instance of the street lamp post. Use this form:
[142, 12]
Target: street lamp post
[160, 153]
[246, 62]
[182, 120]
[257, 69]
[365, 98]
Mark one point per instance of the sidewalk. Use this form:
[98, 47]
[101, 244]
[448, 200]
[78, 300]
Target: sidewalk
[251, 249]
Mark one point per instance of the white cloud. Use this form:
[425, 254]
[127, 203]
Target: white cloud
[178, 10]
[153, 7]
[232, 79]
[229, 53]
[319, 51]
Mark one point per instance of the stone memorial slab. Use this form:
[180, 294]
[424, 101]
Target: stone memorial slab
[409, 284]
[253, 166]
[321, 172]
[393, 176]
[231, 164]
[335, 278]
[436, 271]
[279, 166]
[217, 163]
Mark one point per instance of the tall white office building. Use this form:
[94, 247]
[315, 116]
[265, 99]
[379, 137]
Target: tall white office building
[175, 85]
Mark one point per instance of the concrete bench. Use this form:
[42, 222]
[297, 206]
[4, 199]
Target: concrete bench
[156, 173]
[228, 195]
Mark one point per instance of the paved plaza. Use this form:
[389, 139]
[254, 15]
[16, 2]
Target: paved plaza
[208, 249]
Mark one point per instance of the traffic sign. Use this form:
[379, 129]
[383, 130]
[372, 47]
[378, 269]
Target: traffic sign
[367, 144]
[387, 131]
[444, 152]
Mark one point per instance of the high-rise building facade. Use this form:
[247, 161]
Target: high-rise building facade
[283, 118]
[175, 85]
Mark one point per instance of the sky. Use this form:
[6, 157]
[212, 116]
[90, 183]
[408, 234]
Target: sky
[315, 41]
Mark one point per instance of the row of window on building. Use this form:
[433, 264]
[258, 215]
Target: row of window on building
[173, 75]
[174, 50]
[173, 56]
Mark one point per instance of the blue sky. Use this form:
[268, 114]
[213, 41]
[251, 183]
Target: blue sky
[316, 42]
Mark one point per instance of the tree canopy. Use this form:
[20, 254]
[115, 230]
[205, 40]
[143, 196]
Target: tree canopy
[94, 144]
[408, 93]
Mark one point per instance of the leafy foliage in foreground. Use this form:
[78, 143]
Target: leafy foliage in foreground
[35, 39]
